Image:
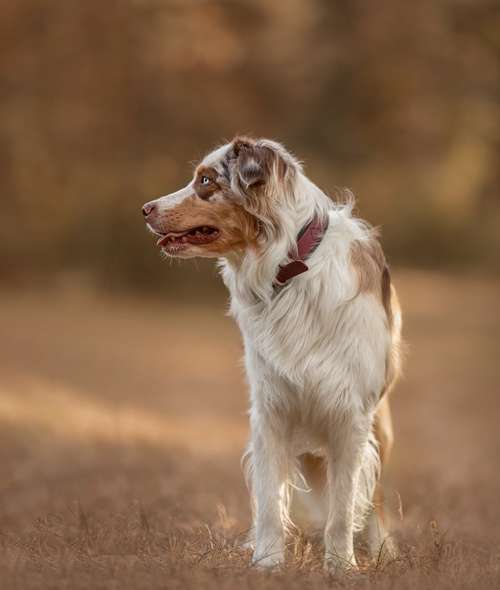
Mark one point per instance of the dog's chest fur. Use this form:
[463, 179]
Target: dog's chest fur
[321, 337]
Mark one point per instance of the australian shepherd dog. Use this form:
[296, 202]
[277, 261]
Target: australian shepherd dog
[312, 295]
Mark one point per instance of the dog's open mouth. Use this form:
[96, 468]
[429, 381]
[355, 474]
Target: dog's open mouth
[197, 236]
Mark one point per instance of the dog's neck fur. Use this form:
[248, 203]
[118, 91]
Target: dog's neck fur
[250, 275]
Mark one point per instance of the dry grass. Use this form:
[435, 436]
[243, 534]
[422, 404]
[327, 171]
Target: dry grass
[123, 420]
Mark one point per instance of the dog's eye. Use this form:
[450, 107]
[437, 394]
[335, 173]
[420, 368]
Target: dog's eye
[204, 180]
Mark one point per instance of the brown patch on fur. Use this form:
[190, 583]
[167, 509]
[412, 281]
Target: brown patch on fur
[259, 168]
[238, 228]
[246, 150]
[368, 259]
[240, 143]
[205, 191]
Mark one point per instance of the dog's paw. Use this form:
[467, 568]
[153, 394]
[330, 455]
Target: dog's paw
[268, 562]
[335, 564]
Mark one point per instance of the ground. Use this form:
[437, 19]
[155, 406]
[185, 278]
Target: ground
[122, 423]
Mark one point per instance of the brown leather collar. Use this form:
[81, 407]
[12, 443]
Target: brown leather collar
[307, 241]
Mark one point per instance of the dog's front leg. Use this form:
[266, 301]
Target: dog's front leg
[268, 462]
[345, 453]
[268, 483]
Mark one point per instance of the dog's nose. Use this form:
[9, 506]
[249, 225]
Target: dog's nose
[148, 208]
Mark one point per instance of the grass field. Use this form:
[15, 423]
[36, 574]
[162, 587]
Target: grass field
[123, 421]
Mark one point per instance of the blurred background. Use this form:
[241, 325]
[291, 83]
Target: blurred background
[106, 106]
[120, 383]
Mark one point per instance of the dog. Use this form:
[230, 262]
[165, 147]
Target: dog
[321, 325]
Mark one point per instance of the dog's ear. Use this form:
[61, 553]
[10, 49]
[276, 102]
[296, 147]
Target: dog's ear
[251, 163]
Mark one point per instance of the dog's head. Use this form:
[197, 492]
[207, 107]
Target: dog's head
[233, 202]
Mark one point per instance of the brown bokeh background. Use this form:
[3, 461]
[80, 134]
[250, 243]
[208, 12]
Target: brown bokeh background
[104, 105]
[122, 398]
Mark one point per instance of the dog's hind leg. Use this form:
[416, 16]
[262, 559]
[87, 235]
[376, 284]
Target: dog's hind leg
[379, 543]
[351, 475]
